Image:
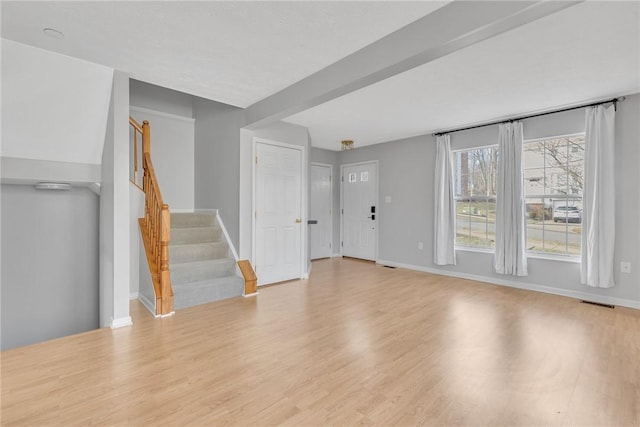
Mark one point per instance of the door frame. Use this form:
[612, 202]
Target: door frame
[303, 274]
[331, 197]
[377, 201]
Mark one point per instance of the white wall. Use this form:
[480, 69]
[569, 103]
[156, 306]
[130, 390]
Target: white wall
[54, 106]
[172, 153]
[406, 174]
[114, 210]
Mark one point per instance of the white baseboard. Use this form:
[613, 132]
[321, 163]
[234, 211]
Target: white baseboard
[519, 285]
[133, 295]
[308, 273]
[120, 322]
[336, 255]
[162, 316]
[148, 304]
[250, 295]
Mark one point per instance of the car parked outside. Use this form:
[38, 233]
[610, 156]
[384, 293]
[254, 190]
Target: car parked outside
[567, 214]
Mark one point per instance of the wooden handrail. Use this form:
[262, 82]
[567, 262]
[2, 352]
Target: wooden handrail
[156, 224]
[135, 124]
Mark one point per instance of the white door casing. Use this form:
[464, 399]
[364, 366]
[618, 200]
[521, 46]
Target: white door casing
[359, 210]
[320, 233]
[278, 212]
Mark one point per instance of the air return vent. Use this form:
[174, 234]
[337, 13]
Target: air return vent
[599, 304]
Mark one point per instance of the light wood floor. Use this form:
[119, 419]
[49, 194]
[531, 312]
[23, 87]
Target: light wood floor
[357, 344]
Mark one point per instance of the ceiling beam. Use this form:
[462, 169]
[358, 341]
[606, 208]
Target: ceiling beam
[454, 26]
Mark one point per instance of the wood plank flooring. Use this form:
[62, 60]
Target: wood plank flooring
[356, 344]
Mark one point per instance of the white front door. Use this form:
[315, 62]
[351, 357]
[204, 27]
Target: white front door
[359, 210]
[320, 226]
[278, 213]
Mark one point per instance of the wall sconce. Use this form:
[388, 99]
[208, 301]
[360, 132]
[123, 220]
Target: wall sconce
[347, 144]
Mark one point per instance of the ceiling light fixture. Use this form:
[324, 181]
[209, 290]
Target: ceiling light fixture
[53, 33]
[347, 144]
[53, 186]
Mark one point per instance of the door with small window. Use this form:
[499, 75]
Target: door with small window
[359, 210]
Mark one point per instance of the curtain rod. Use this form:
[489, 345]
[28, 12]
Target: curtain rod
[593, 104]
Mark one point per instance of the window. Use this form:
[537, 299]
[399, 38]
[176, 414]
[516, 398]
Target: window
[553, 182]
[475, 195]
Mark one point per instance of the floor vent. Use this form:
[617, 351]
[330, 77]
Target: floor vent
[599, 304]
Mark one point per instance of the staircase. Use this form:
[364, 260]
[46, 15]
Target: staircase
[202, 268]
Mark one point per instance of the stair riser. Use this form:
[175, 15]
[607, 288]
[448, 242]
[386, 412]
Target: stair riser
[195, 235]
[182, 220]
[198, 252]
[201, 293]
[187, 273]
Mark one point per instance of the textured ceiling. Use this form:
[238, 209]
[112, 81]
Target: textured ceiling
[586, 52]
[232, 52]
[241, 52]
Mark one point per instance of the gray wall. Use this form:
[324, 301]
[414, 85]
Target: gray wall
[50, 281]
[217, 156]
[159, 98]
[406, 174]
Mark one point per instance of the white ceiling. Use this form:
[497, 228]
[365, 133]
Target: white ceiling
[590, 51]
[241, 52]
[232, 52]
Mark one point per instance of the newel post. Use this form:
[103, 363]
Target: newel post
[146, 137]
[165, 275]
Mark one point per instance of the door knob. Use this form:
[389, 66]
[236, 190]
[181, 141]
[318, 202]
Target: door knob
[298, 220]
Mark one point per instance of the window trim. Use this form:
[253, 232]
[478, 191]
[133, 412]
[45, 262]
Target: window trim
[483, 198]
[549, 255]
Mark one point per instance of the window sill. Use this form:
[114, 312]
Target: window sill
[472, 249]
[548, 257]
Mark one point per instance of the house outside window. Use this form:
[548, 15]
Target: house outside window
[553, 184]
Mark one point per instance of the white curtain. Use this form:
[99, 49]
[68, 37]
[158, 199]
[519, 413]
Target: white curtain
[598, 213]
[510, 255]
[445, 207]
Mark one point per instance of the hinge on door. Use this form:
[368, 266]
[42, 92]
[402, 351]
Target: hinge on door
[342, 211]
[255, 214]
[329, 245]
[342, 177]
[256, 160]
[342, 244]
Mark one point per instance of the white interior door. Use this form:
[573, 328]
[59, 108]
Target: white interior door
[321, 211]
[278, 209]
[359, 210]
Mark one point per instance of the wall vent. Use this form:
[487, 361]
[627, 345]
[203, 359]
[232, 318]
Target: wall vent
[599, 304]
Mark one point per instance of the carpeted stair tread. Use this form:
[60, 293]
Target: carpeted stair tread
[188, 252]
[201, 269]
[195, 293]
[195, 235]
[198, 271]
[193, 219]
